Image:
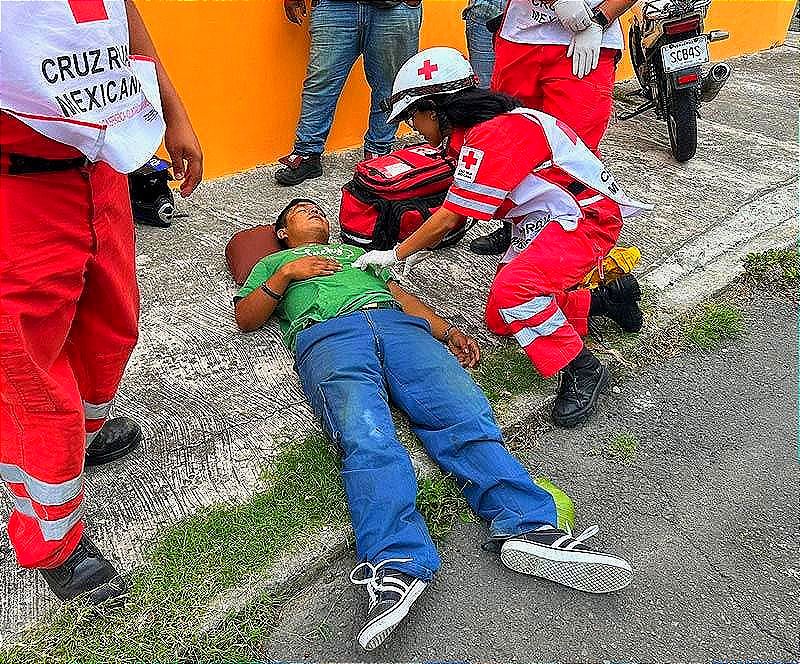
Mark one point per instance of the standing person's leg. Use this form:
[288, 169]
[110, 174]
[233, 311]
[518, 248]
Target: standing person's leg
[526, 300]
[106, 325]
[391, 37]
[45, 243]
[584, 104]
[453, 419]
[342, 377]
[479, 43]
[335, 45]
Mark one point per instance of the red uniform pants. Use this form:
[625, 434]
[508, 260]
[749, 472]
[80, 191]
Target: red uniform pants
[531, 297]
[69, 307]
[540, 75]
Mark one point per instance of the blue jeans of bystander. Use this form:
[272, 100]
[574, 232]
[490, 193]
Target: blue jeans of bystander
[350, 368]
[479, 39]
[340, 32]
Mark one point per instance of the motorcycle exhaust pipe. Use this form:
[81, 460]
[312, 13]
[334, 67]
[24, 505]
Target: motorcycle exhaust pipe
[713, 81]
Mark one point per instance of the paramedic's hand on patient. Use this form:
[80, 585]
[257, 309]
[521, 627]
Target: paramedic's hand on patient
[379, 259]
[573, 14]
[464, 348]
[584, 49]
[308, 267]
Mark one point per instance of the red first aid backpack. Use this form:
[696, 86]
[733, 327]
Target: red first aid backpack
[391, 196]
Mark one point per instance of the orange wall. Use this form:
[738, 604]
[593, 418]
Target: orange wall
[239, 67]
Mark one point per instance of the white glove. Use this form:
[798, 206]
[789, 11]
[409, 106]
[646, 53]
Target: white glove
[379, 259]
[584, 48]
[413, 260]
[573, 14]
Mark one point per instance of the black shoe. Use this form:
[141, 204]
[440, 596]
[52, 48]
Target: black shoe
[86, 572]
[556, 555]
[497, 242]
[618, 301]
[582, 381]
[117, 438]
[391, 595]
[299, 167]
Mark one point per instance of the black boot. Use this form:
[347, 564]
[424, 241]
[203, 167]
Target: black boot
[117, 438]
[299, 167]
[618, 301]
[497, 242]
[582, 381]
[86, 572]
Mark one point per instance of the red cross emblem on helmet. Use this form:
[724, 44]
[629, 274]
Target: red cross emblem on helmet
[427, 70]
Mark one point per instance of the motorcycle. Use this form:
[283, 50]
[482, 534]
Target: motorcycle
[668, 50]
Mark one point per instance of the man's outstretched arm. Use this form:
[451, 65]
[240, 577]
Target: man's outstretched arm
[463, 347]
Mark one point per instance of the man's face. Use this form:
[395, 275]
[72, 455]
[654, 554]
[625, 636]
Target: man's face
[306, 222]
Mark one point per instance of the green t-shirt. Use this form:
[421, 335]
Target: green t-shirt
[320, 298]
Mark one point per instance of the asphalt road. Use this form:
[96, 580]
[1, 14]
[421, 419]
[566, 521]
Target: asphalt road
[706, 512]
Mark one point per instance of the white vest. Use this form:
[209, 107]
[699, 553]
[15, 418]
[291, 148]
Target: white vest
[534, 22]
[66, 73]
[538, 201]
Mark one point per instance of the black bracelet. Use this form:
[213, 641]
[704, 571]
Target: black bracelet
[271, 292]
[600, 18]
[447, 332]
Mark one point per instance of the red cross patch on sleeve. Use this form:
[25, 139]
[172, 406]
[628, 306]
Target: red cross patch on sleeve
[469, 161]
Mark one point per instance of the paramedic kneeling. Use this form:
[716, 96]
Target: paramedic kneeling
[531, 169]
[360, 340]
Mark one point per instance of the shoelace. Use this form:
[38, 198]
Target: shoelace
[374, 587]
[493, 545]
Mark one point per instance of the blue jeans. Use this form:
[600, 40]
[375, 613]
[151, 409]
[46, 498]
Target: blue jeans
[350, 368]
[340, 32]
[479, 40]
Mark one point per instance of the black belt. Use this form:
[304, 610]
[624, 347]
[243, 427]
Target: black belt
[20, 164]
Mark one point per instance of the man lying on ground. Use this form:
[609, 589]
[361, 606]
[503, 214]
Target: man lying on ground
[360, 340]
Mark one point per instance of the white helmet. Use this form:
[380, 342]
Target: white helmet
[430, 72]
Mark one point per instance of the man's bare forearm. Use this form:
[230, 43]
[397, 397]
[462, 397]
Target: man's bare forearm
[413, 306]
[142, 44]
[613, 9]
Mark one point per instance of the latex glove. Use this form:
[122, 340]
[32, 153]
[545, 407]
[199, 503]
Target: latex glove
[379, 259]
[584, 49]
[413, 260]
[573, 14]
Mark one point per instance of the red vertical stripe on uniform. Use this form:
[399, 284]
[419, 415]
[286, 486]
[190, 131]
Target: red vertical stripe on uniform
[86, 11]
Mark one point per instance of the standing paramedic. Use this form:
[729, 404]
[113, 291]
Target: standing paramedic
[559, 57]
[79, 108]
[531, 169]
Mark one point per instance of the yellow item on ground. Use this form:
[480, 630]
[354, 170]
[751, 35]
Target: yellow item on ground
[619, 261]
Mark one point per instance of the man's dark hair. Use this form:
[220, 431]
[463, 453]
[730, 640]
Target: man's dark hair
[280, 222]
[466, 108]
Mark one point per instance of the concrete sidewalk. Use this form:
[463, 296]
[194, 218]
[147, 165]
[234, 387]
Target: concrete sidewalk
[215, 405]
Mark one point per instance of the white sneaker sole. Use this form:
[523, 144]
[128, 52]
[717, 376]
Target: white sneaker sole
[380, 628]
[586, 571]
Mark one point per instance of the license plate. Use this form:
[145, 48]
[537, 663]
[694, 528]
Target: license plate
[684, 54]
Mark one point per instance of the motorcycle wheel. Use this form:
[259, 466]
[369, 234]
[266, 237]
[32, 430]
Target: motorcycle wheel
[637, 57]
[682, 123]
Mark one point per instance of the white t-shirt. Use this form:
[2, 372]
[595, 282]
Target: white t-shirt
[534, 22]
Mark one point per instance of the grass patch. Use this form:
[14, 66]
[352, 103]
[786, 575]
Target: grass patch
[774, 265]
[198, 558]
[717, 322]
[507, 373]
[442, 505]
[622, 448]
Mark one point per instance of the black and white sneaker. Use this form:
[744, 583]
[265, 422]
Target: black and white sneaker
[391, 595]
[556, 555]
